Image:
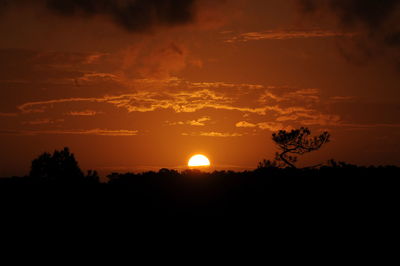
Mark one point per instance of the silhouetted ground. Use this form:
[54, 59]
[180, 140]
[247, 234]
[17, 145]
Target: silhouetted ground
[324, 192]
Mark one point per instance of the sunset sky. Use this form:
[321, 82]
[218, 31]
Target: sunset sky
[141, 85]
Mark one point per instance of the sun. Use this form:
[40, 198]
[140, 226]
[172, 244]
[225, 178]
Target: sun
[198, 160]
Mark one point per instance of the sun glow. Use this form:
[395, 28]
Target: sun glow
[198, 160]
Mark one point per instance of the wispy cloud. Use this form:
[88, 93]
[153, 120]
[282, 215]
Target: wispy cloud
[220, 134]
[255, 107]
[45, 121]
[287, 118]
[307, 95]
[320, 120]
[367, 126]
[213, 134]
[97, 132]
[8, 114]
[272, 126]
[342, 98]
[41, 106]
[180, 102]
[287, 35]
[83, 113]
[280, 104]
[245, 124]
[197, 122]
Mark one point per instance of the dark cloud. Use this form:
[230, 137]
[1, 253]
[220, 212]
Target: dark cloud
[132, 15]
[3, 5]
[371, 13]
[376, 21]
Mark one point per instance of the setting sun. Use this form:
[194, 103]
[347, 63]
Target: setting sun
[198, 160]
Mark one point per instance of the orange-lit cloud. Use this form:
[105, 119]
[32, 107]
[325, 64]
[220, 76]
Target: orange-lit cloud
[198, 122]
[245, 124]
[287, 105]
[213, 134]
[83, 113]
[45, 121]
[320, 120]
[181, 101]
[272, 126]
[290, 95]
[98, 132]
[286, 35]
[287, 118]
[8, 114]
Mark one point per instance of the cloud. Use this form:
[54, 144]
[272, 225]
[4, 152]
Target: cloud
[45, 121]
[370, 13]
[282, 95]
[283, 105]
[214, 134]
[287, 122]
[342, 98]
[377, 24]
[199, 122]
[196, 123]
[96, 132]
[287, 35]
[147, 58]
[42, 106]
[245, 124]
[131, 15]
[272, 126]
[102, 77]
[8, 114]
[28, 68]
[83, 113]
[180, 102]
[367, 126]
[320, 120]
[64, 59]
[220, 134]
[159, 60]
[265, 107]
[287, 118]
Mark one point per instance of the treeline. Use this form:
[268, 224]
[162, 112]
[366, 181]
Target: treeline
[196, 193]
[58, 173]
[56, 182]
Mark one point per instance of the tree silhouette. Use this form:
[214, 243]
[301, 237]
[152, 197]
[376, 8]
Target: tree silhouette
[297, 142]
[268, 164]
[59, 167]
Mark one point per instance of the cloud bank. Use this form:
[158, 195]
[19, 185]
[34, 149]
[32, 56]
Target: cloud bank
[378, 23]
[287, 35]
[131, 15]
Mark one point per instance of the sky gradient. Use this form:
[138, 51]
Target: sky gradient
[142, 85]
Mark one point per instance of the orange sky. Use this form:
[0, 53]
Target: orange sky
[212, 77]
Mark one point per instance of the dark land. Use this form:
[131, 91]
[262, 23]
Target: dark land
[328, 189]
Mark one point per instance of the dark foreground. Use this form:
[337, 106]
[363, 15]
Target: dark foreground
[323, 192]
